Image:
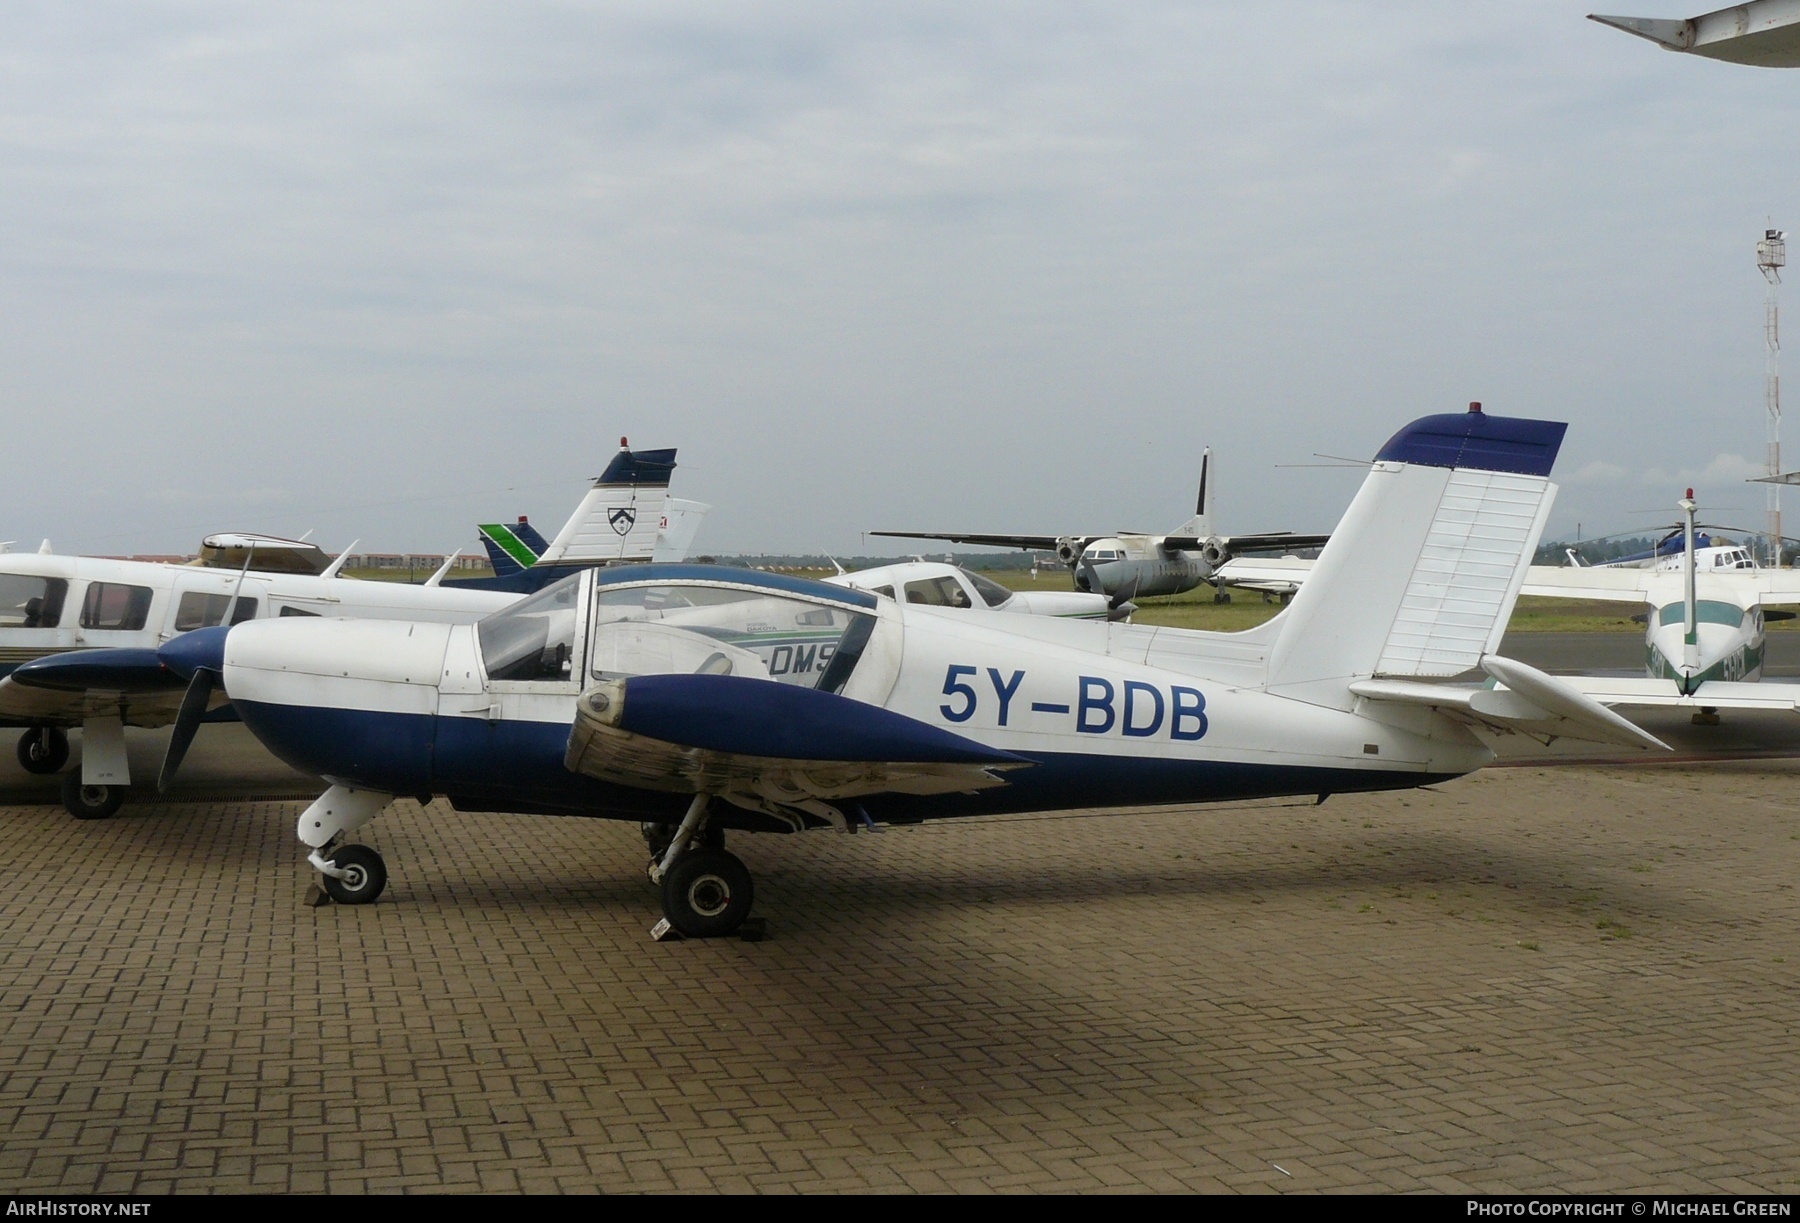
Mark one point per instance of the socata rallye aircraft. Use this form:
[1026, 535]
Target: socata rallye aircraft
[696, 699]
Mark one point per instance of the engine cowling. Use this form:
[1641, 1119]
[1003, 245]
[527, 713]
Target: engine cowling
[1214, 552]
[1068, 549]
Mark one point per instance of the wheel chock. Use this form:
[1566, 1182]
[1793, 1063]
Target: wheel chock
[754, 930]
[663, 932]
[316, 896]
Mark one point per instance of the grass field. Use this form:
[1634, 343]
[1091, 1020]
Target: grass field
[1196, 608]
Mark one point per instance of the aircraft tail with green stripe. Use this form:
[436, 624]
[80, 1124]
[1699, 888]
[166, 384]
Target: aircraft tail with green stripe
[627, 515]
[512, 547]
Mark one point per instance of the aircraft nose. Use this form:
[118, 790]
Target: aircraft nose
[201, 650]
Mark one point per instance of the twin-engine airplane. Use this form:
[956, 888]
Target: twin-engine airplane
[56, 604]
[695, 699]
[1704, 638]
[1131, 565]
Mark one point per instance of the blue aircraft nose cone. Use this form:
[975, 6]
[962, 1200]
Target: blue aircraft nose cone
[201, 650]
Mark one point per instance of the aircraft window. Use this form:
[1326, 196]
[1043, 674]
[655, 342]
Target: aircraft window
[883, 590]
[297, 611]
[535, 637]
[200, 610]
[663, 630]
[114, 605]
[987, 588]
[1706, 611]
[937, 592]
[28, 602]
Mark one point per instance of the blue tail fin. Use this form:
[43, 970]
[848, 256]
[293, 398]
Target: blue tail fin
[512, 548]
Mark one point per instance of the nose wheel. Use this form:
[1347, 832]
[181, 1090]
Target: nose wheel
[352, 874]
[43, 749]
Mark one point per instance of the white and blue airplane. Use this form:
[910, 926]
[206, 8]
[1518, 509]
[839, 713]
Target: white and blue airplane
[51, 604]
[696, 699]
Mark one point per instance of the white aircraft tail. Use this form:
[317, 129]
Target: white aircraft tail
[621, 518]
[681, 520]
[1200, 525]
[1420, 577]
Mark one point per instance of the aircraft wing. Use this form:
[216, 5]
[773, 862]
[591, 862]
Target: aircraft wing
[1034, 542]
[765, 745]
[77, 684]
[1778, 585]
[1278, 575]
[1543, 706]
[1234, 545]
[1583, 582]
[1713, 694]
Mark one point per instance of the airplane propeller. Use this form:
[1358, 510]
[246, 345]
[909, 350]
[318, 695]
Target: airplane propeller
[199, 657]
[1118, 604]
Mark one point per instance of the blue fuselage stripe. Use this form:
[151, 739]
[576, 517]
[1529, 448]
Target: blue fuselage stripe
[518, 766]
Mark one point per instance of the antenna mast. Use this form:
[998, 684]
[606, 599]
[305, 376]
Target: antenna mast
[1771, 257]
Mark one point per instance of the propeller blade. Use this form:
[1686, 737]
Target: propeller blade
[187, 723]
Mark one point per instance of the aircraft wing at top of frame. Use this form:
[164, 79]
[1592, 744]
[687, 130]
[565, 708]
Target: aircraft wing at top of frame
[1762, 33]
[1590, 582]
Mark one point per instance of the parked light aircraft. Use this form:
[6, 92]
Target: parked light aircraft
[938, 584]
[1762, 33]
[628, 515]
[1704, 639]
[1131, 565]
[50, 604]
[697, 699]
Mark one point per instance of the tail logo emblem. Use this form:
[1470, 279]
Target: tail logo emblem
[622, 519]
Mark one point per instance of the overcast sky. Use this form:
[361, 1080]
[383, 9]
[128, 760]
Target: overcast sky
[387, 270]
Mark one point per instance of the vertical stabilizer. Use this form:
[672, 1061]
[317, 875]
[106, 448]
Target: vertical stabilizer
[621, 517]
[680, 522]
[1200, 525]
[512, 548]
[1420, 577]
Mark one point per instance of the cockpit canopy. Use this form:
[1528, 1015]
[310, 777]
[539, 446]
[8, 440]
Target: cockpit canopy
[706, 625]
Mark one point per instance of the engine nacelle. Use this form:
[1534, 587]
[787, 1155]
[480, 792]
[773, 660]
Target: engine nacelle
[1214, 552]
[1068, 549]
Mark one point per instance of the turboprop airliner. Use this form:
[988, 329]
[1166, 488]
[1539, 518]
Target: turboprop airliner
[1704, 637]
[1129, 565]
[696, 700]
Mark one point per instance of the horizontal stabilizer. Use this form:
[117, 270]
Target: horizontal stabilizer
[1532, 703]
[1644, 692]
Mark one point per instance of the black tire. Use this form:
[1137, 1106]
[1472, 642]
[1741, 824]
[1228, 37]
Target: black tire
[368, 875]
[707, 893]
[43, 749]
[90, 802]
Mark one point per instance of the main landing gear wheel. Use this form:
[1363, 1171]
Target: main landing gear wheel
[707, 893]
[90, 802]
[365, 875]
[43, 749]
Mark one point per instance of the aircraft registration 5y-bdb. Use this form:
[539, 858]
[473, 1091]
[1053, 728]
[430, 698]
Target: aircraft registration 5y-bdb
[696, 700]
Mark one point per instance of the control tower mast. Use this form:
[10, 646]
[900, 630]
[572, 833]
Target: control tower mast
[1771, 257]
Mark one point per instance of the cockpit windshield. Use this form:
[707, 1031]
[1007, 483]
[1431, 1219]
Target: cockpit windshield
[535, 637]
[992, 592]
[717, 630]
